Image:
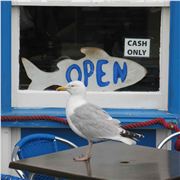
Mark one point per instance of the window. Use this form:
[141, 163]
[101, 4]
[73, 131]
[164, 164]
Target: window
[51, 35]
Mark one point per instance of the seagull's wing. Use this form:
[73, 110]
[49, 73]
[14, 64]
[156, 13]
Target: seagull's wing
[104, 113]
[93, 122]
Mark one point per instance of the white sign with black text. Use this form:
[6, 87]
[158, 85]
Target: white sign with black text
[134, 47]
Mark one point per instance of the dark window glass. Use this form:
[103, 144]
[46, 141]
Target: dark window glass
[49, 34]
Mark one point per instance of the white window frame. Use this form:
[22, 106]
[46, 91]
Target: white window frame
[130, 100]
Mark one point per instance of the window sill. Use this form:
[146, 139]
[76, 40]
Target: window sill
[126, 116]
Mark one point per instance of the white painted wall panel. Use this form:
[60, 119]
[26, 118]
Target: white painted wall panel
[9, 137]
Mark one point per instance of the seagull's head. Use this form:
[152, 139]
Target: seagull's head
[74, 88]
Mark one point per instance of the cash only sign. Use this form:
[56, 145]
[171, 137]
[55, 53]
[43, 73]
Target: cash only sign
[98, 70]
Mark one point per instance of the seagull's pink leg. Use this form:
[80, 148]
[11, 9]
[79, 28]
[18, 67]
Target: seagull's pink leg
[87, 155]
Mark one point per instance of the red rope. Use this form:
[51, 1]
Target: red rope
[31, 118]
[160, 121]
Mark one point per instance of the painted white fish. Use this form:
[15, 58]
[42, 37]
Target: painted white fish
[96, 69]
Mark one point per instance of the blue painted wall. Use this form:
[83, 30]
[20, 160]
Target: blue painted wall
[174, 65]
[148, 140]
[5, 56]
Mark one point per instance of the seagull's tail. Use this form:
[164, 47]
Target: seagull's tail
[132, 135]
[124, 140]
[127, 137]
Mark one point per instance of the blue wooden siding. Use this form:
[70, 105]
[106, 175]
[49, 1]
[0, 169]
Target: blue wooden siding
[148, 140]
[5, 56]
[174, 65]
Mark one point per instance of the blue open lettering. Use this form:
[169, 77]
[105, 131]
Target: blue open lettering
[119, 73]
[69, 70]
[87, 73]
[100, 73]
[89, 68]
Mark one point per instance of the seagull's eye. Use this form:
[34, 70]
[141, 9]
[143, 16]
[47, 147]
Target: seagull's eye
[72, 85]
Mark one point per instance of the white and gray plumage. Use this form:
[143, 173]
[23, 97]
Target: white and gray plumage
[90, 121]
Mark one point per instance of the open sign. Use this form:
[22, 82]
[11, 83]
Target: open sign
[90, 68]
[97, 70]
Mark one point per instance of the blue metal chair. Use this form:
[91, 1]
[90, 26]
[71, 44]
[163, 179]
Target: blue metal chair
[38, 144]
[9, 177]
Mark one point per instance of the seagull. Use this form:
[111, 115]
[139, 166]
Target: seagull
[91, 122]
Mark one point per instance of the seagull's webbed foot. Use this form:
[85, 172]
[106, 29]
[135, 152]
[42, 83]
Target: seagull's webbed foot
[87, 156]
[82, 158]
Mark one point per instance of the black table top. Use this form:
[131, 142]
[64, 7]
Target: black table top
[110, 160]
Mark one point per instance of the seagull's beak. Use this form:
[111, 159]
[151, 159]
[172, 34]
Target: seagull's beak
[61, 88]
